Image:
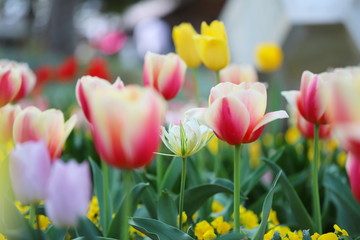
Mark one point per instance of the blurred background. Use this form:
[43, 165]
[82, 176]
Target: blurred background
[64, 39]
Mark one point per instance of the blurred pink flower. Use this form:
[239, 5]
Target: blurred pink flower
[353, 170]
[238, 73]
[111, 42]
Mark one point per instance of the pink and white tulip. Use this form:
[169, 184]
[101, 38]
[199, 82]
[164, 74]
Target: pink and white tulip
[236, 113]
[48, 126]
[126, 125]
[353, 171]
[68, 193]
[307, 128]
[309, 101]
[238, 73]
[165, 73]
[7, 117]
[16, 81]
[87, 84]
[29, 171]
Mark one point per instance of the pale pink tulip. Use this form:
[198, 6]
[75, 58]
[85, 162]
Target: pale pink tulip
[87, 84]
[17, 72]
[353, 171]
[29, 171]
[165, 73]
[309, 100]
[307, 128]
[236, 112]
[48, 126]
[68, 193]
[238, 73]
[7, 117]
[126, 125]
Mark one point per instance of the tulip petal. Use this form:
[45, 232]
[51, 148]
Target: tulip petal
[291, 97]
[271, 116]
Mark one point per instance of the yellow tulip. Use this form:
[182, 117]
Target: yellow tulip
[269, 57]
[212, 45]
[185, 45]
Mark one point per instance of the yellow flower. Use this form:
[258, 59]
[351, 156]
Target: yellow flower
[184, 217]
[134, 231]
[209, 235]
[212, 45]
[341, 159]
[268, 139]
[22, 208]
[292, 135]
[220, 225]
[272, 217]
[268, 56]
[315, 236]
[248, 218]
[213, 145]
[201, 228]
[340, 232]
[328, 236]
[93, 212]
[2, 237]
[292, 236]
[217, 207]
[255, 154]
[44, 222]
[183, 37]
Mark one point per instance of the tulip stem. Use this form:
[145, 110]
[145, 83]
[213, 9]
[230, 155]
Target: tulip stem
[315, 182]
[32, 214]
[127, 205]
[218, 163]
[237, 188]
[197, 89]
[106, 197]
[159, 169]
[182, 191]
[217, 77]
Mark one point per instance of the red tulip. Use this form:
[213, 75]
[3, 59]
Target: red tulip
[7, 117]
[238, 73]
[353, 170]
[307, 128]
[98, 67]
[67, 69]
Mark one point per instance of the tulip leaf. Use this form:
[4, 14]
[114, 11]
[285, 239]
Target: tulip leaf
[97, 238]
[87, 229]
[348, 210]
[157, 230]
[232, 236]
[53, 232]
[298, 209]
[167, 211]
[172, 174]
[266, 209]
[136, 194]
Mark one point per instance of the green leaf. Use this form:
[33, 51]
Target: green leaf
[348, 209]
[97, 238]
[172, 174]
[167, 211]
[88, 229]
[298, 209]
[266, 210]
[53, 232]
[98, 189]
[232, 236]
[157, 230]
[136, 194]
[150, 200]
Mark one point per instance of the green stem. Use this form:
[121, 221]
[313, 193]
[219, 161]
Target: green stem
[217, 77]
[127, 205]
[32, 214]
[197, 88]
[218, 159]
[237, 188]
[106, 197]
[182, 191]
[159, 169]
[315, 182]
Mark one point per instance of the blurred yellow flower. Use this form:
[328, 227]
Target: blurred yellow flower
[209, 235]
[315, 236]
[203, 228]
[217, 207]
[183, 37]
[2, 237]
[93, 213]
[328, 236]
[213, 145]
[268, 139]
[292, 135]
[44, 222]
[212, 45]
[268, 57]
[184, 217]
[255, 154]
[248, 219]
[340, 232]
[220, 225]
[341, 159]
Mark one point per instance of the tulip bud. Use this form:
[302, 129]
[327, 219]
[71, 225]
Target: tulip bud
[68, 193]
[183, 36]
[269, 57]
[238, 73]
[353, 171]
[48, 126]
[87, 84]
[165, 73]
[126, 125]
[212, 45]
[29, 171]
[7, 117]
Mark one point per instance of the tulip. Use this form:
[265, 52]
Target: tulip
[48, 126]
[87, 84]
[67, 69]
[307, 128]
[309, 100]
[29, 171]
[183, 36]
[165, 73]
[353, 171]
[212, 45]
[7, 117]
[68, 193]
[238, 73]
[98, 67]
[236, 112]
[126, 125]
[268, 57]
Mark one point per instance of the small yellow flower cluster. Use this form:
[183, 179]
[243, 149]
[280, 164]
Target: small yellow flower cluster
[255, 154]
[94, 212]
[292, 135]
[220, 225]
[217, 207]
[248, 218]
[204, 231]
[44, 222]
[184, 218]
[337, 234]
